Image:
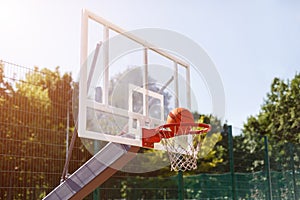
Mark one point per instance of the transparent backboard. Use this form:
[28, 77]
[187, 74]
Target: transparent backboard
[126, 83]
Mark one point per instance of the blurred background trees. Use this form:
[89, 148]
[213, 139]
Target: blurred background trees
[34, 109]
[33, 119]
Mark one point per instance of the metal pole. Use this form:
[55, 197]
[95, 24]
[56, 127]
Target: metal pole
[231, 161]
[145, 84]
[67, 132]
[106, 64]
[66, 166]
[180, 186]
[267, 168]
[176, 85]
[93, 66]
[83, 73]
[188, 87]
[96, 192]
[82, 95]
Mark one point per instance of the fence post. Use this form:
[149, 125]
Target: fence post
[292, 163]
[96, 192]
[231, 161]
[180, 186]
[267, 168]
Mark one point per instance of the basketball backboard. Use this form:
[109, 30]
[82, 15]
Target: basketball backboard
[126, 83]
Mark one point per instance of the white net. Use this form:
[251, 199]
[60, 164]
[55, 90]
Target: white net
[183, 154]
[183, 146]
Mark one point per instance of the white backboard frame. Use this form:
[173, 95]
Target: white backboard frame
[85, 103]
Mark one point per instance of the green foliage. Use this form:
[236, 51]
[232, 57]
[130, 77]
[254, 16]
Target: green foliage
[279, 119]
[33, 114]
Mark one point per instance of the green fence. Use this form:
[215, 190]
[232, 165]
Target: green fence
[33, 129]
[202, 186]
[273, 178]
[34, 119]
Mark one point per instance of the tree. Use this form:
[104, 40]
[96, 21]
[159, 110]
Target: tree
[33, 131]
[279, 117]
[279, 120]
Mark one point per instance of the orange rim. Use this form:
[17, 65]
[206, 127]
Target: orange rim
[184, 129]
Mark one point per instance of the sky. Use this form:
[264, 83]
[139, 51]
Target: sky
[250, 41]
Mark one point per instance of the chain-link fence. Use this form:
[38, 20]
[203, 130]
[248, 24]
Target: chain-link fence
[267, 176]
[36, 119]
[33, 124]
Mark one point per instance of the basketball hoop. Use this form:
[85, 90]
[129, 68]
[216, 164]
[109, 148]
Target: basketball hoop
[182, 141]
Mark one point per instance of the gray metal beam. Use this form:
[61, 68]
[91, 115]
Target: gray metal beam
[94, 172]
